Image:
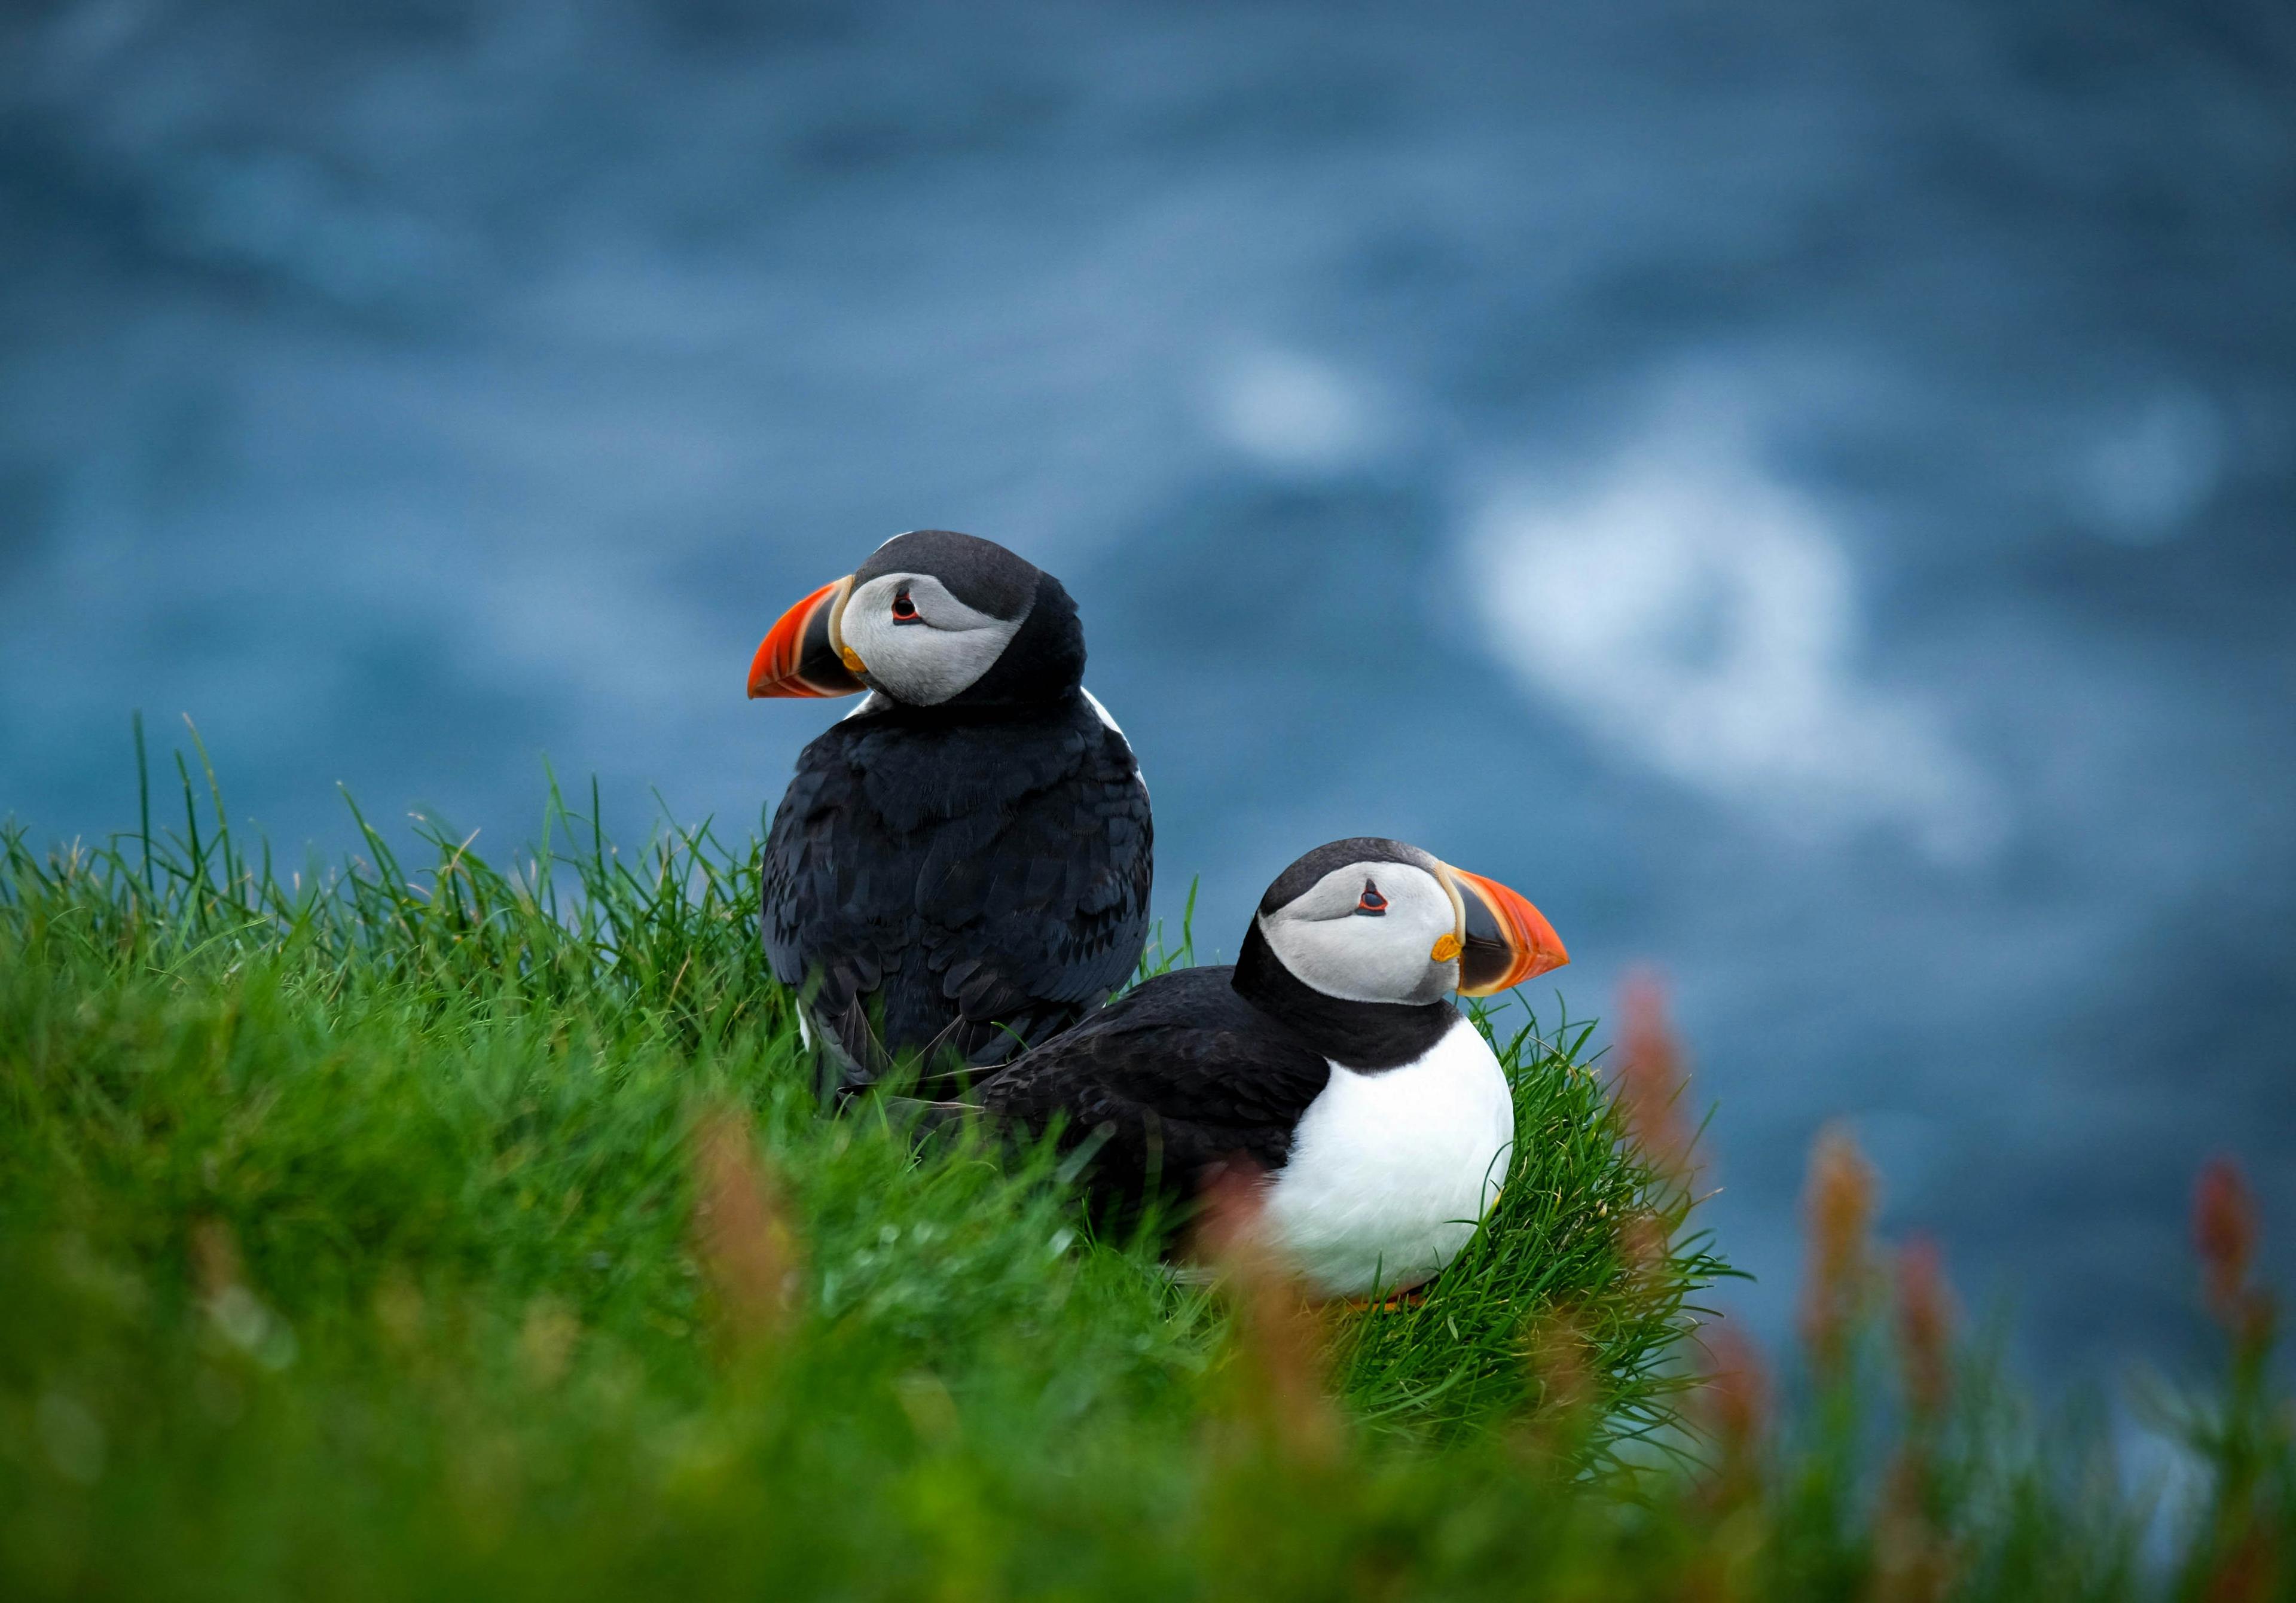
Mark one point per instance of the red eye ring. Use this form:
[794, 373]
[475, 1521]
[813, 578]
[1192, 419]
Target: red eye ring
[904, 608]
[1371, 902]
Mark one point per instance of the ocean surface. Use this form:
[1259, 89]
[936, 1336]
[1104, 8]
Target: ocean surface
[1805, 492]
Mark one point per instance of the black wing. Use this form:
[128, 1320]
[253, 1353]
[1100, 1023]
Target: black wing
[1181, 1075]
[940, 887]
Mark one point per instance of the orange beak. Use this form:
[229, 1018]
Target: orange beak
[799, 656]
[1508, 940]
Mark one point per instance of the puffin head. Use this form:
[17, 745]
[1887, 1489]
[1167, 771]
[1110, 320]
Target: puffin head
[1369, 920]
[933, 618]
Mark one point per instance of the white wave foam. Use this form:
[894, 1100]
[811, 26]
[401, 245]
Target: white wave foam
[1691, 610]
[1295, 413]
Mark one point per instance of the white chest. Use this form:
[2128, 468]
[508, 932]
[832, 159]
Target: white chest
[1390, 1172]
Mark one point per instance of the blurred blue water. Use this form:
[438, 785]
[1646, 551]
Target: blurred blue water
[1802, 491]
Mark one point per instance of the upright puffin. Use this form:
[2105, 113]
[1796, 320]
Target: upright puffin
[960, 869]
[1330, 1056]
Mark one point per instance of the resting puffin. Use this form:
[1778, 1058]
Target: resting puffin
[961, 867]
[1330, 1056]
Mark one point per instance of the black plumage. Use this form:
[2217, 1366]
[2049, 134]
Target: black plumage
[1330, 1062]
[1181, 1076]
[1200, 1066]
[947, 886]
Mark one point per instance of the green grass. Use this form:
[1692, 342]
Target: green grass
[355, 1241]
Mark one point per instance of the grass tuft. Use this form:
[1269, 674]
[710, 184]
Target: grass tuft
[421, 1223]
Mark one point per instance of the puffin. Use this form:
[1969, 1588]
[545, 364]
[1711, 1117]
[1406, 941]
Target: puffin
[960, 868]
[1330, 1057]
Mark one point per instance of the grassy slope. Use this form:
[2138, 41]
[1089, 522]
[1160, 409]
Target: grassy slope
[348, 1244]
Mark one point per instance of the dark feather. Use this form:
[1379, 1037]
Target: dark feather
[1182, 1076]
[950, 886]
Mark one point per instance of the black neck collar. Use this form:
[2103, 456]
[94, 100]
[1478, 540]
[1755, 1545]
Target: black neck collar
[953, 713]
[1355, 1034]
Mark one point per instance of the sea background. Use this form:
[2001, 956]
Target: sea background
[1802, 491]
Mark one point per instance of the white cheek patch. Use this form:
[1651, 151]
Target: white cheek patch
[1389, 958]
[923, 663]
[1362, 960]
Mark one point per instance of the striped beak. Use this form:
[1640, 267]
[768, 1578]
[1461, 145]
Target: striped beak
[800, 656]
[1506, 940]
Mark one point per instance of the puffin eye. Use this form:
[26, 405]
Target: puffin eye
[1371, 902]
[904, 608]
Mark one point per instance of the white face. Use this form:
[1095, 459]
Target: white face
[917, 641]
[1369, 932]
